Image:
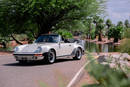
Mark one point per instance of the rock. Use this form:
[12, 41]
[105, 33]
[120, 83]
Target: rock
[113, 65]
[128, 64]
[102, 59]
[125, 56]
[104, 63]
[117, 56]
[115, 60]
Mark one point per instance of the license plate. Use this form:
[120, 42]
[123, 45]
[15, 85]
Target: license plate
[24, 57]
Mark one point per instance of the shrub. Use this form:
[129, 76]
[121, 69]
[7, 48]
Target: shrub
[64, 33]
[106, 76]
[125, 46]
[127, 33]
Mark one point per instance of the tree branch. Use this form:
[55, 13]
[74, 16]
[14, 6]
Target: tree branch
[16, 40]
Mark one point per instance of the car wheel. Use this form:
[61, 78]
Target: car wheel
[50, 57]
[78, 54]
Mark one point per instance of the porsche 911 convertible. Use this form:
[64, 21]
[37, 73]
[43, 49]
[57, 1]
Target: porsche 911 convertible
[49, 48]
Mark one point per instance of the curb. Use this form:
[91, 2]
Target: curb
[78, 74]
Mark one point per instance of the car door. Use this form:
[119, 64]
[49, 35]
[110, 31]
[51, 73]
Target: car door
[70, 48]
[63, 49]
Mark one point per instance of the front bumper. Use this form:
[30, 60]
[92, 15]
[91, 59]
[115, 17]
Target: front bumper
[28, 57]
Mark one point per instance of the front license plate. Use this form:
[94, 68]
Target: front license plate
[24, 57]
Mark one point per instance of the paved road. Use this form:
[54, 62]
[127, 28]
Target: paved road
[37, 74]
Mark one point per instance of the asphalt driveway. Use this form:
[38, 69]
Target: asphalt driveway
[37, 74]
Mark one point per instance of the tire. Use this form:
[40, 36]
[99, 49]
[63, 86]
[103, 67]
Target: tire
[50, 57]
[78, 54]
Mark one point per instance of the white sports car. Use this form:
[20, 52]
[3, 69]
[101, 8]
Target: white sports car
[48, 48]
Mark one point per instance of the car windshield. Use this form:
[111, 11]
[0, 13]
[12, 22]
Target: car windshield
[48, 38]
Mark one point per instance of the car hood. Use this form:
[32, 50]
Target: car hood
[31, 48]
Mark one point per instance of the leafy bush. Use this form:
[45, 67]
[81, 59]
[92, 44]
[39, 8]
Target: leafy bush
[125, 46]
[64, 33]
[127, 33]
[115, 32]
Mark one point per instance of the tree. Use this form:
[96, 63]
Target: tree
[120, 23]
[41, 16]
[126, 24]
[95, 21]
[88, 26]
[44, 14]
[115, 32]
[109, 24]
[100, 27]
[99, 23]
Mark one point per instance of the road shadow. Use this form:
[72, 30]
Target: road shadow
[37, 63]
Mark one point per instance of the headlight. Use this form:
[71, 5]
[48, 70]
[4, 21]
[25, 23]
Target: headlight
[16, 49]
[39, 50]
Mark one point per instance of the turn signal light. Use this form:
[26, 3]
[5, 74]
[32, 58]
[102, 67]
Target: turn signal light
[38, 55]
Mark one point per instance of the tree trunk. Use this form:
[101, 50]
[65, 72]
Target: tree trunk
[18, 42]
[43, 30]
[115, 40]
[43, 27]
[99, 37]
[108, 32]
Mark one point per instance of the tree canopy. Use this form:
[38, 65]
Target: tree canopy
[41, 16]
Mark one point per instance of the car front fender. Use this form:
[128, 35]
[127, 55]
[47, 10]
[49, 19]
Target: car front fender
[46, 49]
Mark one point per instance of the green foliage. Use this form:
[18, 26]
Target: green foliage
[127, 33]
[64, 33]
[116, 32]
[106, 76]
[99, 22]
[21, 37]
[100, 25]
[125, 44]
[110, 32]
[19, 16]
[8, 49]
[120, 23]
[92, 33]
[35, 17]
[109, 23]
[127, 24]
